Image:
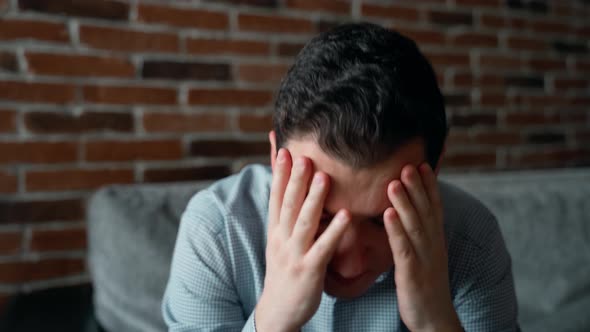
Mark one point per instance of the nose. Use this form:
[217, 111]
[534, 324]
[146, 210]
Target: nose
[349, 259]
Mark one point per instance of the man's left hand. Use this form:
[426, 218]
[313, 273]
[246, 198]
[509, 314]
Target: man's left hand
[416, 235]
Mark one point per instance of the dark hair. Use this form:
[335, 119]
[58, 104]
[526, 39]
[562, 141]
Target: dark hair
[361, 91]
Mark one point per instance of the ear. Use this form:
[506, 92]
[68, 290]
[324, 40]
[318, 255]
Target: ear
[273, 148]
[442, 153]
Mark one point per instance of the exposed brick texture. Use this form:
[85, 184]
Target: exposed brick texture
[116, 91]
[104, 9]
[86, 122]
[78, 65]
[7, 121]
[75, 179]
[34, 211]
[186, 173]
[33, 30]
[10, 242]
[174, 122]
[133, 150]
[183, 17]
[67, 239]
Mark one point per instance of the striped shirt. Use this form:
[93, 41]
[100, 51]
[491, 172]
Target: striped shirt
[218, 266]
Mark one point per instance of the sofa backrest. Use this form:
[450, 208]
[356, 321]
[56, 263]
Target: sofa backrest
[545, 220]
[131, 233]
[544, 217]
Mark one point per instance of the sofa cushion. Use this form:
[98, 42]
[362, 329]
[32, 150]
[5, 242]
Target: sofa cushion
[545, 219]
[132, 230]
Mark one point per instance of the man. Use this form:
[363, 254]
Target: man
[349, 230]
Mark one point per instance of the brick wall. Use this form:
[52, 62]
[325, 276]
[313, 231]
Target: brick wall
[107, 91]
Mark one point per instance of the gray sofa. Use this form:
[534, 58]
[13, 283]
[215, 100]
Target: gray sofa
[544, 216]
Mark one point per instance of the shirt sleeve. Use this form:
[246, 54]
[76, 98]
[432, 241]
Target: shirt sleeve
[485, 299]
[200, 294]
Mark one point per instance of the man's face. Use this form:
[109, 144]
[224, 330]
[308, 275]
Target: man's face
[363, 252]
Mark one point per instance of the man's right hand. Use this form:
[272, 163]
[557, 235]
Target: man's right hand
[295, 263]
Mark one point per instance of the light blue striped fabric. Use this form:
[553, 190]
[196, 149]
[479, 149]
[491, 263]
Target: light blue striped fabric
[218, 266]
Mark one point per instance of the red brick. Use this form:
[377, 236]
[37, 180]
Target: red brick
[530, 118]
[255, 122]
[473, 39]
[37, 92]
[36, 30]
[8, 62]
[58, 239]
[478, 3]
[102, 9]
[422, 36]
[548, 156]
[7, 121]
[183, 17]
[469, 159]
[129, 95]
[448, 58]
[546, 64]
[41, 211]
[527, 44]
[10, 242]
[582, 65]
[128, 40]
[226, 47]
[552, 27]
[491, 81]
[78, 65]
[185, 70]
[571, 83]
[75, 179]
[392, 12]
[474, 119]
[500, 61]
[28, 271]
[134, 150]
[289, 49]
[260, 3]
[38, 152]
[492, 99]
[542, 100]
[262, 73]
[450, 18]
[497, 138]
[8, 182]
[332, 6]
[229, 148]
[199, 173]
[493, 21]
[57, 122]
[465, 80]
[280, 24]
[188, 123]
[230, 97]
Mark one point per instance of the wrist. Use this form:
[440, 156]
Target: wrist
[266, 320]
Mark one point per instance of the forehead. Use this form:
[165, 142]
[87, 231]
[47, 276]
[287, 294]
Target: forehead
[362, 191]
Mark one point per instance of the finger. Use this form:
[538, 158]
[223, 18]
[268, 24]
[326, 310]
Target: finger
[431, 185]
[309, 217]
[411, 178]
[401, 247]
[322, 250]
[409, 218]
[280, 178]
[294, 194]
